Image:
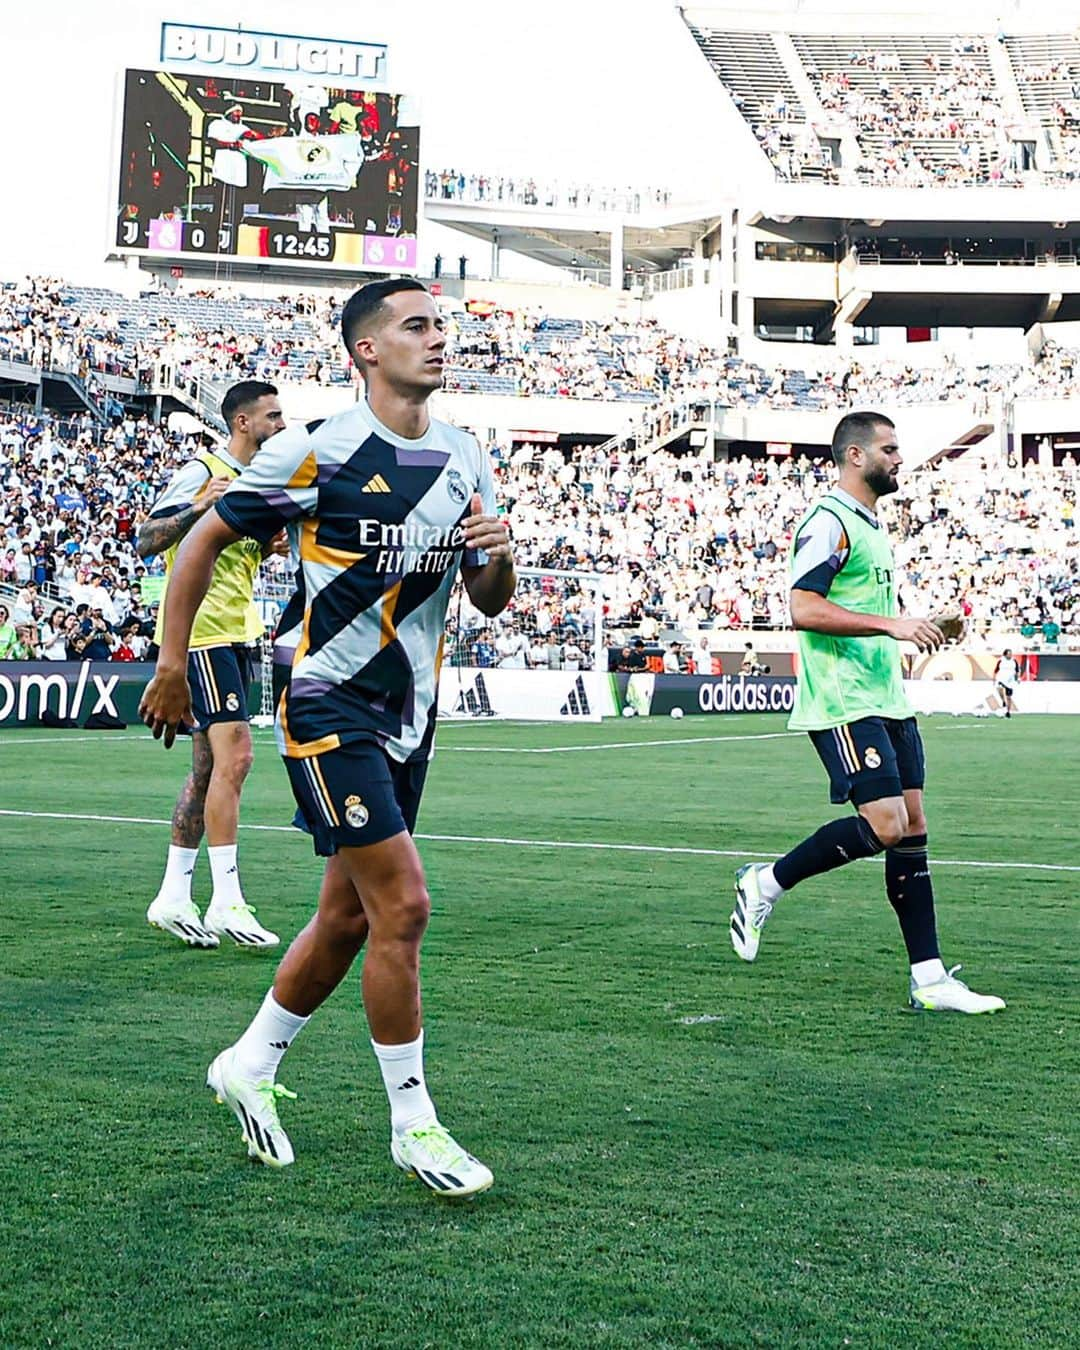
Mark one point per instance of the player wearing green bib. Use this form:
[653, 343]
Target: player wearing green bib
[851, 700]
[219, 671]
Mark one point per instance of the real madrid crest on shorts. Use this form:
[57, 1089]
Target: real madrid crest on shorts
[232, 701]
[356, 813]
[872, 758]
[455, 485]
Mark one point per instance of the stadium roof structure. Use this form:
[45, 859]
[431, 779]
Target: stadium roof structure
[654, 238]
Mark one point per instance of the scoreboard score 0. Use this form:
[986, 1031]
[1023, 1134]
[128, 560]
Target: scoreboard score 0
[245, 168]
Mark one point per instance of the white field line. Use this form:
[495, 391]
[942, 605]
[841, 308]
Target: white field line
[609, 745]
[499, 841]
[448, 749]
[102, 738]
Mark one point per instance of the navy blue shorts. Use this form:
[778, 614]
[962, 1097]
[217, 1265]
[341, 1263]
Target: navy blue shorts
[355, 795]
[872, 758]
[219, 679]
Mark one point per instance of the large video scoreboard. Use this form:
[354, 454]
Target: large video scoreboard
[297, 172]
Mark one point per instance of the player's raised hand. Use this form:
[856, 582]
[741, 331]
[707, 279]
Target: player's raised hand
[486, 532]
[213, 490]
[166, 702]
[927, 636]
[278, 546]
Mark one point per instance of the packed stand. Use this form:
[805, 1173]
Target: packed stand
[702, 547]
[71, 503]
[682, 543]
[900, 105]
[490, 351]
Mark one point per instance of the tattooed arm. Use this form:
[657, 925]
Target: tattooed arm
[161, 532]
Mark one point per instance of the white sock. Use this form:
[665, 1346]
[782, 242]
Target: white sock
[768, 885]
[928, 972]
[226, 876]
[176, 883]
[403, 1077]
[273, 1030]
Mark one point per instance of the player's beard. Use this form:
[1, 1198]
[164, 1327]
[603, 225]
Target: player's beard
[881, 482]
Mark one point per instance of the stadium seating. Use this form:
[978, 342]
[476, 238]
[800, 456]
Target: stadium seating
[912, 109]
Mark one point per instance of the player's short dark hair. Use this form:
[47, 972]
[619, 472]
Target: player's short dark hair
[368, 300]
[856, 428]
[243, 395]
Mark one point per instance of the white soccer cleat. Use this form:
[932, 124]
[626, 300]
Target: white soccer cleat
[750, 913]
[255, 1107]
[238, 921]
[435, 1158]
[181, 919]
[952, 995]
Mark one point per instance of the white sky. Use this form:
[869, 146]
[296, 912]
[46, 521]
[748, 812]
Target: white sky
[608, 91]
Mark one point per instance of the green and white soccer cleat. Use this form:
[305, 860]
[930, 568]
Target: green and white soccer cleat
[255, 1107]
[952, 995]
[751, 911]
[435, 1158]
[238, 922]
[181, 919]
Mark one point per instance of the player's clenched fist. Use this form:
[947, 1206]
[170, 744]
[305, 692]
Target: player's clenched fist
[486, 532]
[166, 702]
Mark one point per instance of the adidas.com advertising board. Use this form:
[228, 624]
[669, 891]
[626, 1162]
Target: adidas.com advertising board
[659, 694]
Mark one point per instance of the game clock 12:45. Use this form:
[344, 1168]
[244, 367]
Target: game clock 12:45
[289, 244]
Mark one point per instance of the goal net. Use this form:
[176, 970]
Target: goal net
[273, 591]
[543, 659]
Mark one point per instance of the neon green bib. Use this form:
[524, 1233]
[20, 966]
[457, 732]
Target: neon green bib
[228, 614]
[842, 679]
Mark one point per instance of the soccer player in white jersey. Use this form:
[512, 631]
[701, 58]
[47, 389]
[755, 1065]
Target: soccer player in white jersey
[383, 506]
[1006, 674]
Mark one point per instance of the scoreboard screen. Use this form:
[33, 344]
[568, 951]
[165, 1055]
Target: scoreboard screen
[240, 167]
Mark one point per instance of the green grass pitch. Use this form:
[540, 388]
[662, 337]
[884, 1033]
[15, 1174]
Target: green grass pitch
[687, 1151]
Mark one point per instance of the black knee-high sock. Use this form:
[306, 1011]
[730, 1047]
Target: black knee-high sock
[911, 894]
[839, 842]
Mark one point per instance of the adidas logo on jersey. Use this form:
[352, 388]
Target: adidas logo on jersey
[377, 484]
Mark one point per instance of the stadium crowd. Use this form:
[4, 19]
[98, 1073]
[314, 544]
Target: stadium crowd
[692, 545]
[921, 118]
[684, 544]
[175, 341]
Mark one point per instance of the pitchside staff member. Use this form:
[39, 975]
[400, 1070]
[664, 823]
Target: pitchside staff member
[383, 506]
[218, 666]
[850, 698]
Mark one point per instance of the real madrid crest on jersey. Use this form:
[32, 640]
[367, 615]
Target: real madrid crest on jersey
[872, 758]
[232, 701]
[455, 485]
[356, 813]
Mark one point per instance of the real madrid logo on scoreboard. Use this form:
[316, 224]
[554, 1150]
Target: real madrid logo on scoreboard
[268, 148]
